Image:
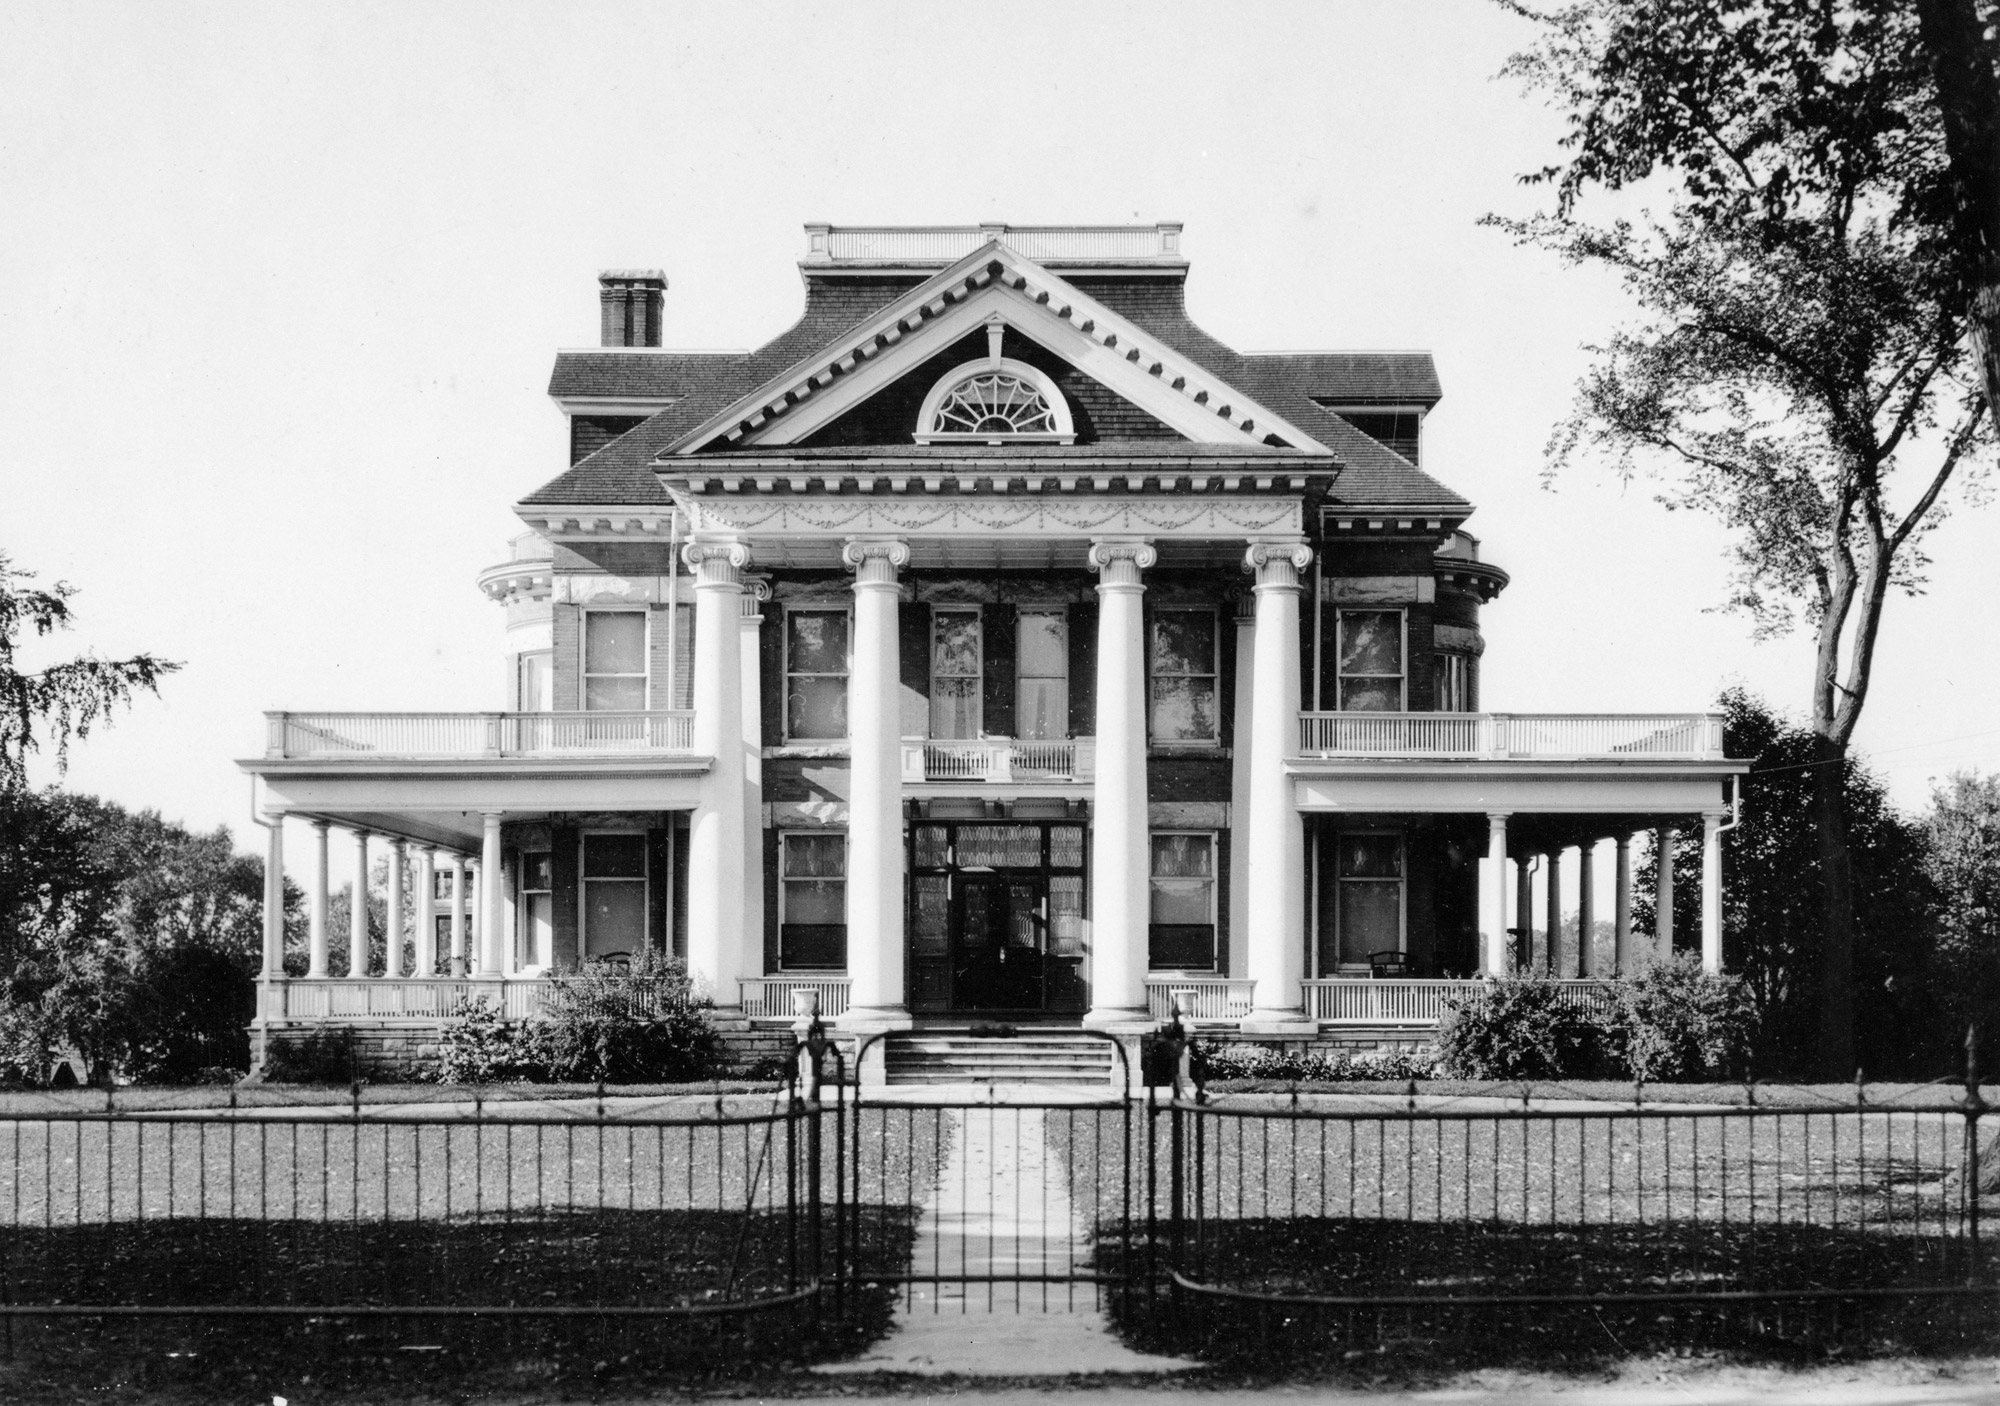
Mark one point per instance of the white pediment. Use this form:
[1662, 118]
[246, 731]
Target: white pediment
[997, 284]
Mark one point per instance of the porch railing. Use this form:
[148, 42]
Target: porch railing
[1412, 1001]
[1201, 997]
[770, 997]
[1677, 736]
[301, 735]
[999, 759]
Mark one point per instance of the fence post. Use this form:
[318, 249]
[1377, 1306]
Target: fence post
[1975, 1104]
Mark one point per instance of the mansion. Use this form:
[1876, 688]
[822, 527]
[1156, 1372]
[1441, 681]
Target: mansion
[992, 645]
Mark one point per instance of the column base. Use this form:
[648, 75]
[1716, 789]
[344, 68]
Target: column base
[1291, 1024]
[863, 1021]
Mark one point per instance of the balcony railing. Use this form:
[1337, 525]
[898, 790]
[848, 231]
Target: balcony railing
[1502, 736]
[397, 998]
[772, 997]
[1413, 1001]
[945, 243]
[298, 735]
[1000, 759]
[1201, 998]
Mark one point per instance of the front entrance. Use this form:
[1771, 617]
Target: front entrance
[996, 918]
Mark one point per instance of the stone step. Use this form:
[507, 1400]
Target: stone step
[1031, 1057]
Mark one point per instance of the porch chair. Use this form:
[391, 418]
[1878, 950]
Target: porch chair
[1387, 964]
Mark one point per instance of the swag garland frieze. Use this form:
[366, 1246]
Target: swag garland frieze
[1156, 516]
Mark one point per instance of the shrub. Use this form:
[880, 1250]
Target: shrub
[478, 1046]
[1521, 1029]
[190, 1013]
[644, 1025]
[1676, 1021]
[1243, 1061]
[323, 1056]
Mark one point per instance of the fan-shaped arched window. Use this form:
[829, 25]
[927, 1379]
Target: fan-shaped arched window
[993, 401]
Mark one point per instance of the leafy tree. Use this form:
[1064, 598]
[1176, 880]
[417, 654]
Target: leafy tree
[1801, 346]
[1963, 829]
[1771, 903]
[64, 700]
[1958, 38]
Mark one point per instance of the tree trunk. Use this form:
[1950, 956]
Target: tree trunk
[1968, 90]
[1836, 975]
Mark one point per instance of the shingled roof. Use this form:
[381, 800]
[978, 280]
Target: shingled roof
[1298, 386]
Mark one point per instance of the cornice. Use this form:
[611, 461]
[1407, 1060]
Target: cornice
[984, 517]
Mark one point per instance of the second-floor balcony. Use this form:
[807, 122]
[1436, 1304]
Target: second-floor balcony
[1514, 736]
[356, 736]
[992, 760]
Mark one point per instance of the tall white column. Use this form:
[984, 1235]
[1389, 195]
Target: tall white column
[492, 899]
[752, 620]
[274, 894]
[1120, 849]
[1239, 786]
[875, 791]
[357, 910]
[458, 896]
[316, 904]
[1711, 890]
[1624, 959]
[1277, 834]
[1586, 908]
[422, 912]
[1493, 898]
[715, 835]
[392, 927]
[1663, 893]
[1554, 947]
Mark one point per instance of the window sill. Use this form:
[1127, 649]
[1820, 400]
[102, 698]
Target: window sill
[809, 750]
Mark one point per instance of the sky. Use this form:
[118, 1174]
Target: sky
[280, 287]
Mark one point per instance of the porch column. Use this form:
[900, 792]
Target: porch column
[1586, 909]
[458, 863]
[492, 898]
[1621, 909]
[392, 926]
[1493, 898]
[1554, 949]
[274, 895]
[1277, 901]
[755, 592]
[1663, 893]
[316, 904]
[715, 835]
[1524, 914]
[1711, 890]
[475, 914]
[875, 793]
[1120, 862]
[422, 914]
[357, 910]
[1245, 733]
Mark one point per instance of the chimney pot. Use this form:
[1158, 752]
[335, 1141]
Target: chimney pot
[630, 303]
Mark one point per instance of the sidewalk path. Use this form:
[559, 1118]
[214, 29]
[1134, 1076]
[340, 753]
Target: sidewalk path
[1000, 1208]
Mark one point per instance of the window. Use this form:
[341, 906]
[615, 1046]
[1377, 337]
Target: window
[441, 885]
[535, 942]
[534, 682]
[614, 895]
[993, 403]
[1371, 661]
[816, 674]
[955, 673]
[614, 660]
[1041, 710]
[1181, 701]
[812, 897]
[1368, 896]
[1182, 903]
[1451, 677]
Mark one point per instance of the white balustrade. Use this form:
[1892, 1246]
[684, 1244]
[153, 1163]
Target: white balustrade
[1499, 736]
[1202, 998]
[770, 997]
[1413, 1001]
[988, 760]
[948, 242]
[300, 735]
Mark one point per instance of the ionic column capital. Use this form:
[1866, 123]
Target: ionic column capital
[1120, 561]
[756, 590]
[322, 826]
[875, 560]
[717, 564]
[1277, 564]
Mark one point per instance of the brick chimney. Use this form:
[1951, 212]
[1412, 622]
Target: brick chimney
[630, 302]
